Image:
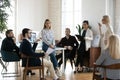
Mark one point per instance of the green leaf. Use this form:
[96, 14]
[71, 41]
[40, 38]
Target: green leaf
[78, 27]
[5, 4]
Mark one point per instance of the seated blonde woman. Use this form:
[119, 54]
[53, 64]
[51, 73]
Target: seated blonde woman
[109, 56]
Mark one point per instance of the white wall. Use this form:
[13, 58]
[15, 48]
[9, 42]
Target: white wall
[93, 10]
[31, 13]
[117, 17]
[54, 14]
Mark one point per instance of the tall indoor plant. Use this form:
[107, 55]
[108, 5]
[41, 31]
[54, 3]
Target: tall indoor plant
[78, 27]
[4, 5]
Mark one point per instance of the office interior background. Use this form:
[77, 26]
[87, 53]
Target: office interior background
[62, 13]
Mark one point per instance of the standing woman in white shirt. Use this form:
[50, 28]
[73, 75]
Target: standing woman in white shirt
[85, 43]
[48, 41]
[109, 30]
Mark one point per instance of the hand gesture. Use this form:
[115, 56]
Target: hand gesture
[37, 40]
[99, 24]
[52, 46]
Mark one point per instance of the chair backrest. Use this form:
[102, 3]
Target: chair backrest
[112, 66]
[25, 56]
[9, 56]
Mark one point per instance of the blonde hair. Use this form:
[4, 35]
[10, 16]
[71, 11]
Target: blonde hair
[107, 18]
[114, 46]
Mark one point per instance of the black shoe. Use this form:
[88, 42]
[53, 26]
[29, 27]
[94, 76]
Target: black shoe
[75, 71]
[79, 71]
[31, 73]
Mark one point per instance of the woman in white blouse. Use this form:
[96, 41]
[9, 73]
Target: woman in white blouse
[109, 30]
[85, 43]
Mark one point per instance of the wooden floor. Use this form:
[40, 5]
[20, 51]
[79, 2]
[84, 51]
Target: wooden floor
[69, 75]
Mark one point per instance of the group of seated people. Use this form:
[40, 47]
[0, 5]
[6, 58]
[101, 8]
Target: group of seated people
[9, 44]
[69, 42]
[110, 55]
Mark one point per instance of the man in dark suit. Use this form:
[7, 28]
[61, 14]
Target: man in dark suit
[70, 43]
[27, 49]
[8, 44]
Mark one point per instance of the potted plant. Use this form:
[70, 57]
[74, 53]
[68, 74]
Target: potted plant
[78, 27]
[4, 5]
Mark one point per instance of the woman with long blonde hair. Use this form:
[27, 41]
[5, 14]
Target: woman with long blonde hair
[48, 41]
[110, 55]
[106, 31]
[114, 46]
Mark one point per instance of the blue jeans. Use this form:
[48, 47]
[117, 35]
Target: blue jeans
[52, 55]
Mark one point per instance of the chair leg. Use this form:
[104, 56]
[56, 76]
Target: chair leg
[43, 72]
[4, 67]
[71, 63]
[24, 74]
[40, 73]
[16, 73]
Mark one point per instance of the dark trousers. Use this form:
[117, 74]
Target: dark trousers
[82, 58]
[67, 56]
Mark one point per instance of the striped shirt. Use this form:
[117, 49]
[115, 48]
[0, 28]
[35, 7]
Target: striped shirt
[48, 36]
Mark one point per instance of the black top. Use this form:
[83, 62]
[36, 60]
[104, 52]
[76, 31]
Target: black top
[71, 41]
[82, 46]
[27, 49]
[9, 45]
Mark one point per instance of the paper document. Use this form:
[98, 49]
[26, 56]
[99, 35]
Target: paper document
[50, 50]
[96, 41]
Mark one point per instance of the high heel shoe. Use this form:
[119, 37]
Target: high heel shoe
[80, 70]
[75, 71]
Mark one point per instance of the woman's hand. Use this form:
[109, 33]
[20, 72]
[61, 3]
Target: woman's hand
[100, 25]
[37, 40]
[52, 46]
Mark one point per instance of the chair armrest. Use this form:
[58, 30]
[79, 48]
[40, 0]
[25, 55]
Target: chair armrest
[26, 56]
[96, 65]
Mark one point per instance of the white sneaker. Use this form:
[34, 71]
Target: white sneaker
[58, 72]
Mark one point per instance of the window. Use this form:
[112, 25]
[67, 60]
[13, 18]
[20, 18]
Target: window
[11, 18]
[71, 15]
